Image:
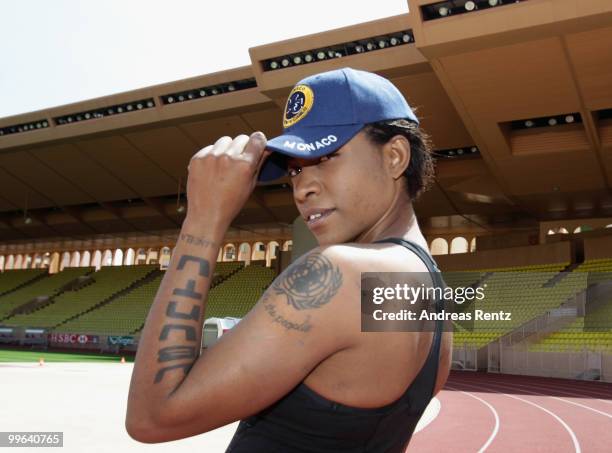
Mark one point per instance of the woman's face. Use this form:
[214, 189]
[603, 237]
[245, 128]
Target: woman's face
[350, 186]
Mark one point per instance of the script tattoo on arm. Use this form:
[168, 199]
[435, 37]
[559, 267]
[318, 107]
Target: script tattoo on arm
[310, 282]
[177, 320]
[202, 242]
[270, 308]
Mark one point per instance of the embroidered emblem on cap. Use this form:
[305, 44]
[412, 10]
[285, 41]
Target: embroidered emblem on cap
[299, 103]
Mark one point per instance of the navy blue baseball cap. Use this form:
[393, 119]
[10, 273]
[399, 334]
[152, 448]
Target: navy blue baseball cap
[326, 110]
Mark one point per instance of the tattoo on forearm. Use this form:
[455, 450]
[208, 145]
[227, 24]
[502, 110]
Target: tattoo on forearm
[305, 326]
[172, 313]
[310, 282]
[182, 352]
[188, 292]
[176, 352]
[160, 374]
[194, 240]
[190, 333]
[204, 266]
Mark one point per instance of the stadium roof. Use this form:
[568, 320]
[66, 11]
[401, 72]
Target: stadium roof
[517, 99]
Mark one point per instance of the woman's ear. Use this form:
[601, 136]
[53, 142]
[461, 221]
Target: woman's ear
[397, 155]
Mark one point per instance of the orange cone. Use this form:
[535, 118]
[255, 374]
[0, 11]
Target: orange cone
[122, 359]
[41, 361]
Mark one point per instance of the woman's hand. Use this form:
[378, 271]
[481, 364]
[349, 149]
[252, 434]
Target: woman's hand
[222, 177]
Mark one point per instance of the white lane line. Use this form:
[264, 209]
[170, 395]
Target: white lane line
[559, 419]
[495, 414]
[514, 386]
[584, 393]
[579, 388]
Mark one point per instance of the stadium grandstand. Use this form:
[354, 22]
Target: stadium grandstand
[516, 95]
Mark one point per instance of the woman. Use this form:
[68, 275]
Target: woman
[297, 370]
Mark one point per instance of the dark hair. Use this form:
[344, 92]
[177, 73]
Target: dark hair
[420, 171]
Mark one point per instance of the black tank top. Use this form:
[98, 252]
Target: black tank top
[304, 421]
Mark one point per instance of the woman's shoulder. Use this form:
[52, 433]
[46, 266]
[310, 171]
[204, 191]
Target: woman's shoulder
[374, 257]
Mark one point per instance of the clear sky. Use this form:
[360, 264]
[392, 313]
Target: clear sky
[55, 52]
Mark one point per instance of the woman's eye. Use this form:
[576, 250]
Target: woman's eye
[327, 157]
[292, 172]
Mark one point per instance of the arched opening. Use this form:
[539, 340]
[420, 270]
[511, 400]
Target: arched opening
[439, 246]
[152, 256]
[244, 252]
[473, 245]
[164, 257]
[1, 263]
[65, 261]
[141, 257]
[97, 260]
[27, 262]
[85, 259]
[38, 260]
[75, 259]
[271, 251]
[582, 229]
[46, 260]
[10, 263]
[54, 264]
[550, 233]
[259, 251]
[563, 231]
[287, 246]
[118, 258]
[459, 245]
[229, 252]
[107, 258]
[129, 257]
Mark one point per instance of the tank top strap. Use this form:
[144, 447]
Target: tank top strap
[431, 362]
[432, 266]
[417, 249]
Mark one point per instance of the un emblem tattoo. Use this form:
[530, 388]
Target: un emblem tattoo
[310, 282]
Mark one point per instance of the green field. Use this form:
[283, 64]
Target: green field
[34, 356]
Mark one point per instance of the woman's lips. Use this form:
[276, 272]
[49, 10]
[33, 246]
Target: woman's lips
[319, 220]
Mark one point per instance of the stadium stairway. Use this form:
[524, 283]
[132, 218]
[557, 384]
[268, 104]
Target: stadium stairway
[120, 316]
[225, 270]
[152, 275]
[108, 281]
[582, 322]
[237, 293]
[563, 273]
[11, 281]
[592, 329]
[126, 313]
[39, 292]
[526, 299]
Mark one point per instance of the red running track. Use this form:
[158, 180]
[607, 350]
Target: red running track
[507, 413]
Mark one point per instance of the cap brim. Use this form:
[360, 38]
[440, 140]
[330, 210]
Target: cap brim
[305, 143]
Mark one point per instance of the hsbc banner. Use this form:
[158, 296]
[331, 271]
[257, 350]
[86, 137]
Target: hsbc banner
[114, 340]
[73, 338]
